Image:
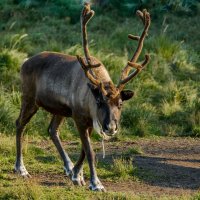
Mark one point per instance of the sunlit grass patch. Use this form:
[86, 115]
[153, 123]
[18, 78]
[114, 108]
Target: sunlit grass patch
[195, 121]
[166, 48]
[10, 62]
[170, 108]
[7, 145]
[132, 151]
[22, 189]
[123, 168]
[31, 190]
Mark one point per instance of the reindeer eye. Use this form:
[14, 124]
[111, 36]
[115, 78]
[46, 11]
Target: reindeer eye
[98, 101]
[120, 104]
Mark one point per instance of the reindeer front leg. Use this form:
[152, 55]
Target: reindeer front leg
[95, 183]
[77, 176]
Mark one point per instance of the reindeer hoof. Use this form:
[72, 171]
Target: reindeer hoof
[21, 170]
[68, 172]
[97, 187]
[78, 180]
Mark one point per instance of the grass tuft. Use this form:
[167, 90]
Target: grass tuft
[123, 168]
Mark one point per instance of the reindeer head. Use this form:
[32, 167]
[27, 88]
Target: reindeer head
[108, 97]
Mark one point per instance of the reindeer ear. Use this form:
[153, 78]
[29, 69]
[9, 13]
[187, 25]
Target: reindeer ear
[126, 94]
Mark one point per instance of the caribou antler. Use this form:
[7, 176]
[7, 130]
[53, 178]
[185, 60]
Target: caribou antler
[125, 77]
[86, 15]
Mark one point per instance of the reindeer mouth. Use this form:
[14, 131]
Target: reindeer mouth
[104, 134]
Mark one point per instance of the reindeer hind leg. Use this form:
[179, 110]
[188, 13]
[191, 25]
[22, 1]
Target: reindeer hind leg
[54, 134]
[28, 109]
[77, 172]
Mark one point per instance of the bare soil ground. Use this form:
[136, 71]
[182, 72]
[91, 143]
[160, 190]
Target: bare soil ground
[171, 167]
[167, 166]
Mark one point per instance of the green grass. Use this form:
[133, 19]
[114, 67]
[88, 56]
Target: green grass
[48, 180]
[123, 168]
[43, 160]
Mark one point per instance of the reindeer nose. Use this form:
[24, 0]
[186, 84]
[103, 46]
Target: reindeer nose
[112, 127]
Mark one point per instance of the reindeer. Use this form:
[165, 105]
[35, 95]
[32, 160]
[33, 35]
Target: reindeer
[81, 88]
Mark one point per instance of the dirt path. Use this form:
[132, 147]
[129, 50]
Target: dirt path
[167, 166]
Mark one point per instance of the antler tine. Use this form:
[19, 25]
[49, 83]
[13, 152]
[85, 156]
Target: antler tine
[125, 76]
[141, 15]
[138, 67]
[86, 70]
[86, 15]
[86, 64]
[133, 37]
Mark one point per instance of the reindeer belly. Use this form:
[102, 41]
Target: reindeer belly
[54, 105]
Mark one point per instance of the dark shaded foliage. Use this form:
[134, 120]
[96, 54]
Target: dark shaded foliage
[128, 7]
[70, 9]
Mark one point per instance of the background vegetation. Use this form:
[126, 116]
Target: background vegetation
[167, 92]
